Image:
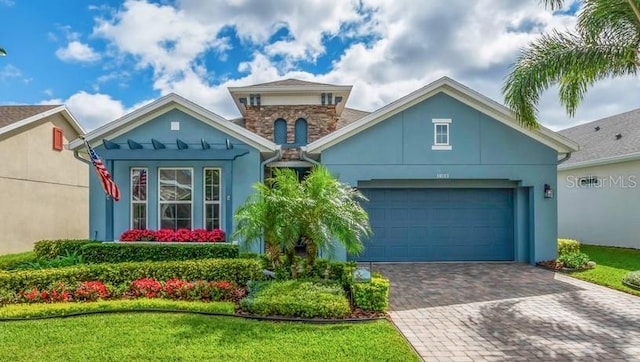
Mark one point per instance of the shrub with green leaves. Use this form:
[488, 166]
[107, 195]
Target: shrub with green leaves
[295, 298]
[11, 261]
[51, 249]
[58, 262]
[633, 278]
[127, 252]
[372, 296]
[239, 271]
[567, 246]
[574, 260]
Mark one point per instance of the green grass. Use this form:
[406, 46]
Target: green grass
[61, 309]
[8, 261]
[612, 265]
[188, 337]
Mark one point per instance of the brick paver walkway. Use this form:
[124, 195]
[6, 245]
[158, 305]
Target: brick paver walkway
[496, 312]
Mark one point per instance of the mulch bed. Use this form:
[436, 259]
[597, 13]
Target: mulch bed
[556, 266]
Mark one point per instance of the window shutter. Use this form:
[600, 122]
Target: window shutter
[57, 139]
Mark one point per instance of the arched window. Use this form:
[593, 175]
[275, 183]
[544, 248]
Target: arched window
[301, 132]
[280, 131]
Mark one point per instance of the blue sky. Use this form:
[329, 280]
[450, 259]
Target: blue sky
[105, 58]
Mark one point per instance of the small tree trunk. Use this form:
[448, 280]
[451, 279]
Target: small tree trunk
[291, 260]
[273, 253]
[312, 253]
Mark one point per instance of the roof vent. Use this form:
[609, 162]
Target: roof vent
[597, 128]
[618, 136]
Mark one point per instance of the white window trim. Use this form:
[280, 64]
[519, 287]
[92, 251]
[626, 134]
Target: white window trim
[441, 146]
[204, 195]
[160, 202]
[145, 202]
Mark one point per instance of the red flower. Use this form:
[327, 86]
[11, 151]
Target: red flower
[138, 235]
[91, 291]
[145, 287]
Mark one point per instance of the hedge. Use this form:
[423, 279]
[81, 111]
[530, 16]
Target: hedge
[372, 296]
[124, 252]
[51, 249]
[40, 310]
[10, 261]
[294, 298]
[568, 246]
[239, 271]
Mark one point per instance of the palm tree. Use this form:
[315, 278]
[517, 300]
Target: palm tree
[331, 215]
[269, 214]
[606, 43]
[320, 211]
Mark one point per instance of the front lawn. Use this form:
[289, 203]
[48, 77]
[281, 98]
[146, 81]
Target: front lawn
[612, 265]
[180, 337]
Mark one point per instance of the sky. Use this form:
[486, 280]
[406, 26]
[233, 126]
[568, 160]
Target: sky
[104, 59]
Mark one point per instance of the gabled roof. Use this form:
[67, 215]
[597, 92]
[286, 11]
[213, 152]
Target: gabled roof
[165, 104]
[461, 93]
[598, 141]
[15, 117]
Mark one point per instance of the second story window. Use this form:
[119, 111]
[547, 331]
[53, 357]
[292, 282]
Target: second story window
[280, 131]
[301, 132]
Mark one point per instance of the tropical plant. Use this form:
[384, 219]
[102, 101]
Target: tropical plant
[321, 211]
[269, 214]
[605, 43]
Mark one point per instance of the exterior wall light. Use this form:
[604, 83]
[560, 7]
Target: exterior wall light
[548, 191]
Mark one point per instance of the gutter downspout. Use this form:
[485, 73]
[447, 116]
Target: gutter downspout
[303, 155]
[565, 158]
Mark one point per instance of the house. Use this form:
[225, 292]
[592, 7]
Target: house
[43, 188]
[598, 185]
[449, 173]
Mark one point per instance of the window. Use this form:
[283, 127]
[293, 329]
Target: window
[280, 131]
[57, 139]
[212, 192]
[301, 132]
[138, 198]
[175, 198]
[441, 140]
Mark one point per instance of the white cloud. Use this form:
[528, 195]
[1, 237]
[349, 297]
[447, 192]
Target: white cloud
[76, 51]
[411, 44]
[91, 110]
[10, 71]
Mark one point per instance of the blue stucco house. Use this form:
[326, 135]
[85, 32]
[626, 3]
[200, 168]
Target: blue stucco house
[450, 175]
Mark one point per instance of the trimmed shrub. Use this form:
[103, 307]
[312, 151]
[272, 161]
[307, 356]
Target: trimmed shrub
[51, 249]
[294, 298]
[574, 260]
[58, 262]
[123, 252]
[180, 235]
[11, 261]
[239, 271]
[61, 309]
[632, 278]
[372, 296]
[566, 246]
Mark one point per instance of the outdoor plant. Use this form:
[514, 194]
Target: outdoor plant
[170, 235]
[138, 235]
[372, 296]
[633, 279]
[566, 246]
[574, 260]
[51, 249]
[125, 252]
[320, 211]
[145, 287]
[60, 261]
[91, 291]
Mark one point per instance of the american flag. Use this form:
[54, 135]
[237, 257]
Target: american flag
[109, 186]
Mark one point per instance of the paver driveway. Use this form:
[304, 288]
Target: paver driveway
[477, 312]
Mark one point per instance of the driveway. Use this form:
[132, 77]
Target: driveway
[495, 312]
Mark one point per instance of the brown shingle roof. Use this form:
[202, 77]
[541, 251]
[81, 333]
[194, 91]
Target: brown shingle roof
[350, 115]
[290, 82]
[13, 114]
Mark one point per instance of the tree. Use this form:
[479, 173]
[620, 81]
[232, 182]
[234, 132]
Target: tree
[2, 52]
[269, 214]
[320, 211]
[605, 43]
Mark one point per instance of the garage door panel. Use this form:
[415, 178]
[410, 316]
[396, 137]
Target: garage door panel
[439, 225]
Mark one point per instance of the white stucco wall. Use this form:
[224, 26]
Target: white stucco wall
[43, 192]
[604, 214]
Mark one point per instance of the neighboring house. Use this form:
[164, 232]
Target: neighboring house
[599, 186]
[43, 188]
[449, 173]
